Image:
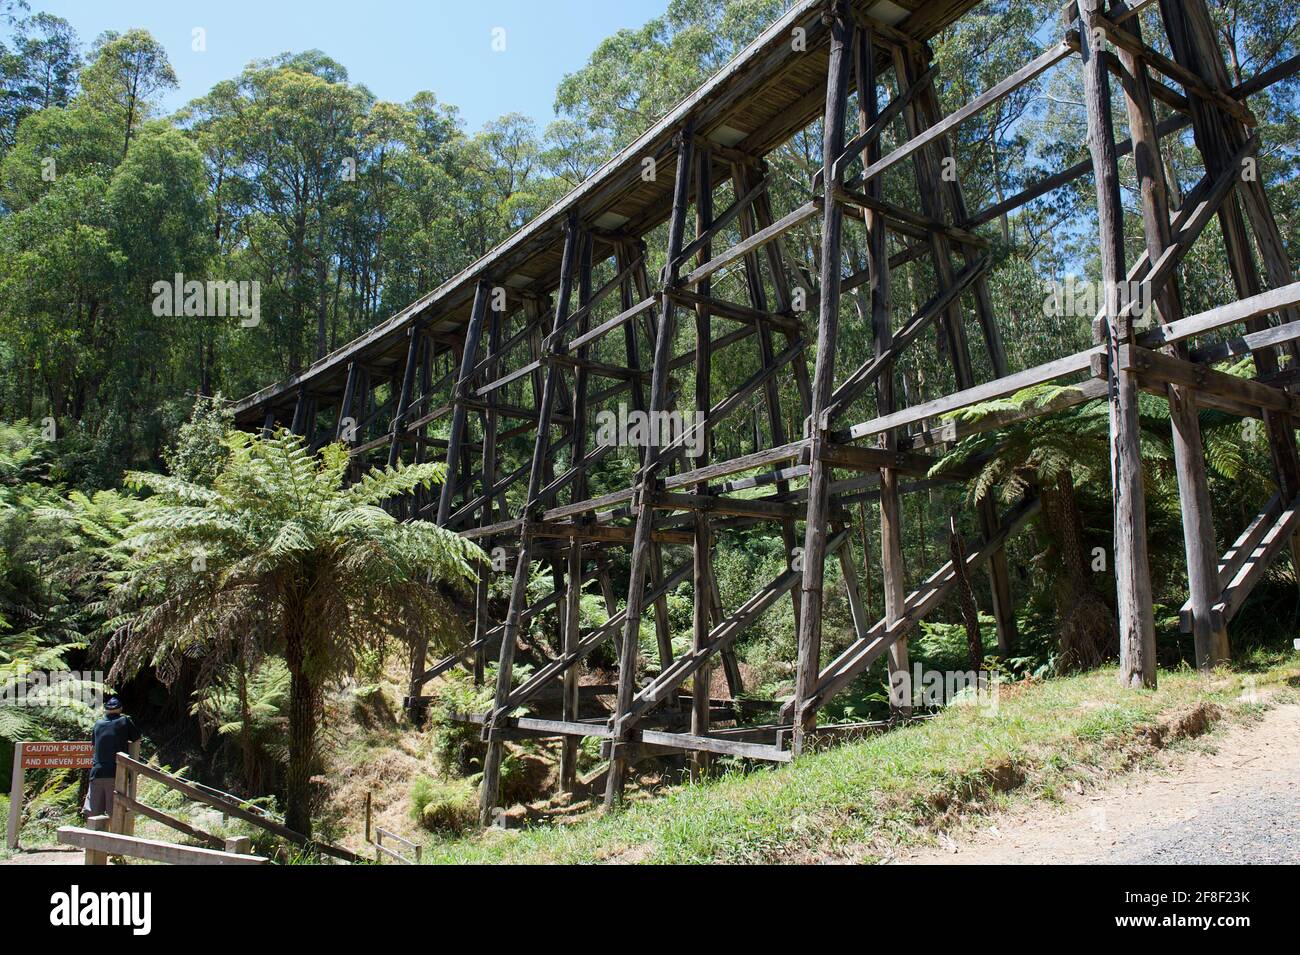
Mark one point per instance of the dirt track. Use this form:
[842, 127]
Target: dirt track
[45, 857]
[1235, 798]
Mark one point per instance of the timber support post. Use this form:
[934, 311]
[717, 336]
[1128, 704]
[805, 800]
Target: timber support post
[648, 481]
[489, 795]
[823, 382]
[1132, 574]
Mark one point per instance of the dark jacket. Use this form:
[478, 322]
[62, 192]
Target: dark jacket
[112, 736]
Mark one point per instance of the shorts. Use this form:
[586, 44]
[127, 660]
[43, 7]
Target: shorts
[99, 797]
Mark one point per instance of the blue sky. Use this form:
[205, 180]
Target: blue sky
[394, 48]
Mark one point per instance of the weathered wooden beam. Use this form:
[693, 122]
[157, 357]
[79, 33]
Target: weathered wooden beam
[702, 543]
[152, 850]
[863, 652]
[750, 222]
[714, 744]
[816, 523]
[490, 791]
[554, 341]
[345, 403]
[1134, 46]
[646, 304]
[1236, 555]
[1132, 574]
[765, 235]
[886, 347]
[1233, 313]
[876, 459]
[1211, 639]
[955, 429]
[883, 362]
[414, 334]
[720, 636]
[589, 642]
[1026, 74]
[171, 822]
[910, 223]
[1194, 43]
[1247, 344]
[658, 404]
[1155, 365]
[1048, 371]
[737, 313]
[1252, 570]
[573, 577]
[464, 383]
[704, 237]
[1166, 127]
[702, 503]
[879, 120]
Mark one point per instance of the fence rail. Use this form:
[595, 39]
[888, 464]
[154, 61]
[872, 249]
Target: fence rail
[99, 845]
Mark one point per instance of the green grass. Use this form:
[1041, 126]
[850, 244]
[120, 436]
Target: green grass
[864, 800]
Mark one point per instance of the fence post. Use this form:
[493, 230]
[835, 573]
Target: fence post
[95, 856]
[16, 798]
[121, 786]
[133, 750]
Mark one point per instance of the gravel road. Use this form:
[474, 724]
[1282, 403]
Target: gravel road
[1238, 802]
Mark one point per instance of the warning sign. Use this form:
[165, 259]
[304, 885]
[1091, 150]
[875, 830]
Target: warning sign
[56, 755]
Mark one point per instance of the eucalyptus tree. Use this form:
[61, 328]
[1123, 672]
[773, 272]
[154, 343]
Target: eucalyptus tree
[128, 70]
[38, 71]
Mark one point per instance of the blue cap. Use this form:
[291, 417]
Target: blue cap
[112, 704]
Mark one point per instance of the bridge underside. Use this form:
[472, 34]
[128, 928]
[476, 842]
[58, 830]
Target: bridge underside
[535, 346]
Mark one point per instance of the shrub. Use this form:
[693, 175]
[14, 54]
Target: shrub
[457, 746]
[371, 706]
[443, 806]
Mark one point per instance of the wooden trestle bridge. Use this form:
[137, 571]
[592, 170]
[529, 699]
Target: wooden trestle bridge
[566, 318]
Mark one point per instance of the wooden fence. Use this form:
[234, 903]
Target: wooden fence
[99, 845]
[126, 804]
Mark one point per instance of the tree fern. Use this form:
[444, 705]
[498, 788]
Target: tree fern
[277, 555]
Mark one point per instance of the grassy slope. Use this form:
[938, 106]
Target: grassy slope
[858, 801]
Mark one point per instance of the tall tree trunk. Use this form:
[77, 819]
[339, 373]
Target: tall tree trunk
[302, 730]
[252, 768]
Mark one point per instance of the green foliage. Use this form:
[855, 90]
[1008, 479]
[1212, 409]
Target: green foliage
[278, 556]
[38, 72]
[260, 711]
[457, 747]
[200, 449]
[247, 710]
[214, 566]
[442, 806]
[48, 590]
[1074, 439]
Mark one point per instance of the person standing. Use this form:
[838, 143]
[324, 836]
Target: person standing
[114, 733]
